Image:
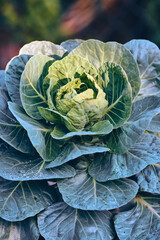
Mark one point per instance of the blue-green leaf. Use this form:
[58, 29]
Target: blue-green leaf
[25, 230]
[74, 150]
[142, 222]
[38, 132]
[70, 44]
[13, 74]
[154, 125]
[60, 221]
[84, 192]
[17, 166]
[109, 166]
[147, 56]
[149, 179]
[144, 108]
[10, 130]
[20, 200]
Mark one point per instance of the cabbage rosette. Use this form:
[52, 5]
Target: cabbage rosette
[79, 127]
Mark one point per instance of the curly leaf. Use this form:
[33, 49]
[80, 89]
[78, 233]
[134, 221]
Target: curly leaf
[31, 84]
[38, 132]
[149, 179]
[74, 150]
[147, 56]
[141, 222]
[110, 166]
[97, 53]
[84, 192]
[20, 200]
[25, 230]
[60, 221]
[13, 74]
[144, 108]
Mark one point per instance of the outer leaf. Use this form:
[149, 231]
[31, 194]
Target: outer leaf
[154, 126]
[147, 56]
[149, 179]
[19, 167]
[10, 130]
[142, 222]
[118, 93]
[31, 84]
[26, 230]
[144, 108]
[2, 80]
[38, 132]
[73, 150]
[20, 200]
[103, 127]
[83, 192]
[14, 71]
[43, 47]
[60, 221]
[110, 166]
[98, 53]
[70, 44]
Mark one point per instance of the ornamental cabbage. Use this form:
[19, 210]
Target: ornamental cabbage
[79, 127]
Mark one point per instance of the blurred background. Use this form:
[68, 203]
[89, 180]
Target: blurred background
[22, 21]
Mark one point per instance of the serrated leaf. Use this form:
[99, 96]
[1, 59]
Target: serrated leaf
[154, 125]
[25, 230]
[70, 44]
[61, 221]
[141, 222]
[144, 108]
[10, 130]
[17, 166]
[38, 132]
[84, 192]
[45, 48]
[109, 166]
[101, 128]
[118, 91]
[74, 150]
[149, 179]
[31, 84]
[14, 70]
[20, 200]
[97, 53]
[147, 56]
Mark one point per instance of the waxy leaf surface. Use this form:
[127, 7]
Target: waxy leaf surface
[60, 221]
[38, 132]
[147, 56]
[84, 192]
[141, 222]
[20, 200]
[109, 166]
